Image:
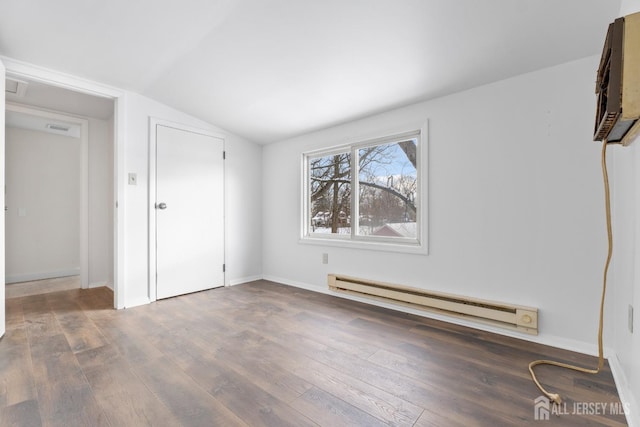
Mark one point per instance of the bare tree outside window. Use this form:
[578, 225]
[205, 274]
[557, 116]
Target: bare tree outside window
[385, 188]
[330, 181]
[388, 190]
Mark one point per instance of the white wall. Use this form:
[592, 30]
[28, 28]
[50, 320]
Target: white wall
[243, 201]
[100, 202]
[515, 201]
[625, 182]
[243, 193]
[43, 182]
[2, 183]
[629, 6]
[31, 264]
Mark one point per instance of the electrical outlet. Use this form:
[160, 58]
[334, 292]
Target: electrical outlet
[133, 179]
[630, 318]
[325, 258]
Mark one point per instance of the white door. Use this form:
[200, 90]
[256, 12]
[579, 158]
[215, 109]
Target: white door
[2, 82]
[189, 212]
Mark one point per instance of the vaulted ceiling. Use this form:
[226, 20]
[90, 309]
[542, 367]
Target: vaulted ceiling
[272, 69]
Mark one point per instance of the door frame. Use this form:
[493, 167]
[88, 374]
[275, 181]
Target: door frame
[22, 70]
[154, 122]
[2, 168]
[84, 177]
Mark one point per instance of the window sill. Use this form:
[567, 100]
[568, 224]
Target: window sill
[417, 249]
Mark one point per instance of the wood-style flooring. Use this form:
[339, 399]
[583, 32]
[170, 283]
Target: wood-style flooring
[268, 354]
[44, 286]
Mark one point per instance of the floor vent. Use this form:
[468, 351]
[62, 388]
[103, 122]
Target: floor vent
[519, 318]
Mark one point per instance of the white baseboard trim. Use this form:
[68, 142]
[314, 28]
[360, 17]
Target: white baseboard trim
[41, 276]
[629, 401]
[242, 280]
[137, 302]
[546, 339]
[298, 284]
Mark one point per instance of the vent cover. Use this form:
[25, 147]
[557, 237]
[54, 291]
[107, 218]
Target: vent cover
[520, 318]
[15, 87]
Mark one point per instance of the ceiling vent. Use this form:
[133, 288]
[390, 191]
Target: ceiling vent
[15, 87]
[59, 128]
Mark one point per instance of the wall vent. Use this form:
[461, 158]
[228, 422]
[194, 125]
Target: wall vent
[60, 128]
[515, 317]
[15, 87]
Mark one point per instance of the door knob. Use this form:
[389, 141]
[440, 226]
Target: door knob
[161, 206]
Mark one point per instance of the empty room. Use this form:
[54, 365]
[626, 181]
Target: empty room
[320, 213]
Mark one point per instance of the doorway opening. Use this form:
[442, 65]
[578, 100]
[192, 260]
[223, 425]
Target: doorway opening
[59, 212]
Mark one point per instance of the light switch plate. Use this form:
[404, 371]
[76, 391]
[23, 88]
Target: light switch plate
[133, 179]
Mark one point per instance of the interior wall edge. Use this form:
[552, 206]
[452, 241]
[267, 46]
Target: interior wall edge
[624, 391]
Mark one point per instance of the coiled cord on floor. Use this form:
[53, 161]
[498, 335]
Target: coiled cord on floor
[555, 397]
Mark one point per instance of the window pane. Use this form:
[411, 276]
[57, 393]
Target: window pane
[388, 189]
[330, 189]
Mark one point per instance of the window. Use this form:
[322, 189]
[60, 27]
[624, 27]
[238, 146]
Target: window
[367, 194]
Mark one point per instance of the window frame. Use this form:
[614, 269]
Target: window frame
[419, 245]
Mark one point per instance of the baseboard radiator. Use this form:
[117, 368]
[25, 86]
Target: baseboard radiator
[515, 317]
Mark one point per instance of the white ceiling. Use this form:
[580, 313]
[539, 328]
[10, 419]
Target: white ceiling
[272, 69]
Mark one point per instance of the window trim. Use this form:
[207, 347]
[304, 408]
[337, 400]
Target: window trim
[419, 245]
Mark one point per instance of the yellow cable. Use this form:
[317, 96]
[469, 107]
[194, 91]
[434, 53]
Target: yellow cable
[555, 397]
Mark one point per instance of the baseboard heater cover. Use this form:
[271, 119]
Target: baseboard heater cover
[515, 317]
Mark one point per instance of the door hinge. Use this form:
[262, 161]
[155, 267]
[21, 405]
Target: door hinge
[224, 155]
[224, 267]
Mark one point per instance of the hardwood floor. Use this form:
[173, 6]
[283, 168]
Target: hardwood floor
[267, 354]
[36, 287]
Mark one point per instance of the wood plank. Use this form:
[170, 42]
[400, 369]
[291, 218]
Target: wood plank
[16, 373]
[80, 332]
[65, 403]
[130, 340]
[251, 403]
[327, 410]
[124, 398]
[14, 315]
[186, 400]
[22, 414]
[377, 402]
[57, 365]
[266, 373]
